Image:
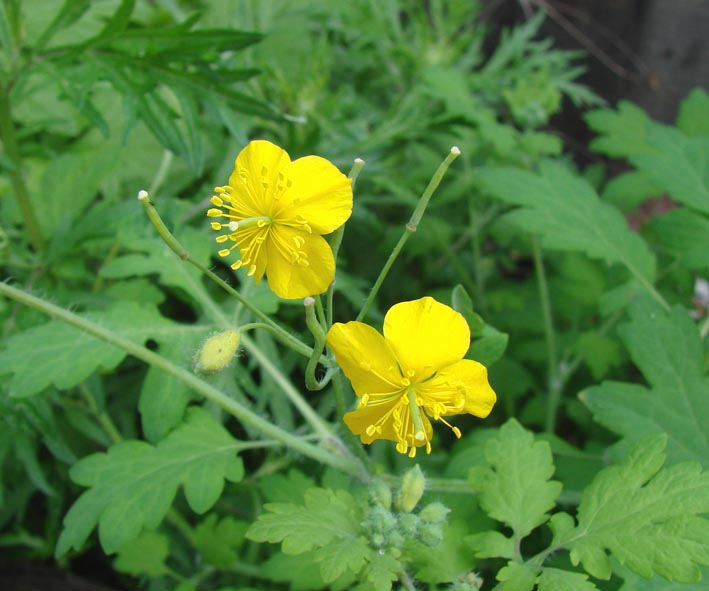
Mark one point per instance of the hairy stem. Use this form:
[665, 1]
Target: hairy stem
[243, 414]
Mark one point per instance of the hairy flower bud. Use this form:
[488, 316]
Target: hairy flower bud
[217, 351]
[412, 486]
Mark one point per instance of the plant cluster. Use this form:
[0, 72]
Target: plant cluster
[297, 404]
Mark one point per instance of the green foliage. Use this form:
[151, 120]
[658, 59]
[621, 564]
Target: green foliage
[567, 214]
[133, 485]
[668, 350]
[645, 515]
[582, 291]
[513, 458]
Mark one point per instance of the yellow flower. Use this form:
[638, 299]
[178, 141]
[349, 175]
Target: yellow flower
[276, 212]
[413, 372]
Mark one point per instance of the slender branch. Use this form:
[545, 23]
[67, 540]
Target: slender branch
[410, 228]
[284, 336]
[554, 384]
[243, 414]
[336, 238]
[12, 152]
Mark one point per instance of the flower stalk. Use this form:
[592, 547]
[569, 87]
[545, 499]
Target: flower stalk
[410, 227]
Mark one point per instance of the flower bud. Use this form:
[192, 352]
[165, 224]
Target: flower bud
[217, 351]
[435, 513]
[412, 486]
[380, 494]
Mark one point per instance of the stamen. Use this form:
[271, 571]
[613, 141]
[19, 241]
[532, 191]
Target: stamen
[216, 226]
[215, 213]
[222, 238]
[216, 201]
[420, 433]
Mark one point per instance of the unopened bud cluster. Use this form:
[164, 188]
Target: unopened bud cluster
[391, 528]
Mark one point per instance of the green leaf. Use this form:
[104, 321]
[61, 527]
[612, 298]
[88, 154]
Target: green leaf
[599, 352]
[461, 302]
[515, 488]
[628, 190]
[678, 164]
[144, 556]
[685, 236]
[70, 12]
[489, 346]
[133, 485]
[667, 348]
[622, 131]
[218, 542]
[491, 544]
[693, 117]
[327, 522]
[645, 515]
[517, 577]
[68, 355]
[382, 570]
[554, 579]
[566, 212]
[325, 516]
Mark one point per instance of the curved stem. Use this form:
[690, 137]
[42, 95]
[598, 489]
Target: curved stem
[316, 329]
[243, 414]
[410, 228]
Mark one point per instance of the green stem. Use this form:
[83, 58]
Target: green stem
[12, 152]
[410, 228]
[243, 414]
[336, 238]
[316, 329]
[554, 384]
[284, 336]
[315, 420]
[107, 424]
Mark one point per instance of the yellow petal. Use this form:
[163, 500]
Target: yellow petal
[360, 420]
[320, 194]
[426, 335]
[365, 358]
[462, 387]
[299, 264]
[255, 175]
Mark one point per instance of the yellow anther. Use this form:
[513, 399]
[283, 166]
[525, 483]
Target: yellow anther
[222, 238]
[224, 252]
[216, 226]
[215, 213]
[236, 265]
[252, 271]
[371, 430]
[216, 201]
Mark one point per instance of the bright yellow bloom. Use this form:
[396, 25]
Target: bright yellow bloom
[413, 372]
[276, 212]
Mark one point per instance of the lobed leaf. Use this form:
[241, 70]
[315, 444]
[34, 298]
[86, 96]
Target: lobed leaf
[132, 486]
[645, 515]
[515, 488]
[568, 215]
[668, 350]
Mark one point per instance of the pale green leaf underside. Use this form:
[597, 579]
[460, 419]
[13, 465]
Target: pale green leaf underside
[554, 579]
[133, 485]
[515, 488]
[568, 215]
[668, 350]
[645, 515]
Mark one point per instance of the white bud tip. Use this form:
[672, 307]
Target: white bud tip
[308, 301]
[233, 226]
[142, 195]
[455, 150]
[359, 161]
